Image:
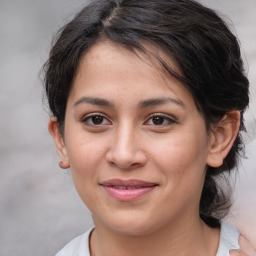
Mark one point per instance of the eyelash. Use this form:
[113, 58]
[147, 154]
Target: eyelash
[164, 120]
[86, 119]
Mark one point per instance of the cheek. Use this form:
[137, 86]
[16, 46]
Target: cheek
[85, 161]
[86, 156]
[183, 170]
[179, 155]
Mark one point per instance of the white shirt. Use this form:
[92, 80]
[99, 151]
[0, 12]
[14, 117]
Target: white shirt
[79, 246]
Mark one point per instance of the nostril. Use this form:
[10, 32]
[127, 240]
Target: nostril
[125, 166]
[112, 163]
[125, 156]
[135, 165]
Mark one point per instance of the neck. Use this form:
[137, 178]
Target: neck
[178, 239]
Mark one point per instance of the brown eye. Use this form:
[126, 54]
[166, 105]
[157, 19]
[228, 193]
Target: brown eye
[95, 120]
[158, 120]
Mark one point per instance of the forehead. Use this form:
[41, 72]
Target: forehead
[151, 56]
[108, 66]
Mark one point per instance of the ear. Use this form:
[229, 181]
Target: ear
[222, 138]
[54, 130]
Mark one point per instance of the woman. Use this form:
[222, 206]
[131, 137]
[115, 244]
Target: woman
[147, 100]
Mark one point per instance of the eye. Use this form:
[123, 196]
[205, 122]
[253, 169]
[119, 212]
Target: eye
[95, 120]
[160, 120]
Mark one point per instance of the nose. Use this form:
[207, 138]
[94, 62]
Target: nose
[126, 149]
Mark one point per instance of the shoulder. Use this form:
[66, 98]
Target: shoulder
[228, 239]
[79, 246]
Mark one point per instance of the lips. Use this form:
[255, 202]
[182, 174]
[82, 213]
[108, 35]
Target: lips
[127, 190]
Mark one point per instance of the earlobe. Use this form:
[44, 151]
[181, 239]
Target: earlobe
[64, 164]
[223, 137]
[58, 139]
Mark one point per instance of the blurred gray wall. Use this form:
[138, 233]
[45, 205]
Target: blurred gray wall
[39, 208]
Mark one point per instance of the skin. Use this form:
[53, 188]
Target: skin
[112, 131]
[246, 248]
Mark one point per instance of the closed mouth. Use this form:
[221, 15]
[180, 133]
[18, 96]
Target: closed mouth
[127, 184]
[127, 190]
[127, 187]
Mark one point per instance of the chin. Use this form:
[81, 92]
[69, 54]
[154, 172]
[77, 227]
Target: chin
[131, 225]
[134, 229]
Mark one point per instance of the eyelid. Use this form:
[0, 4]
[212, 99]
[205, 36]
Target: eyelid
[93, 114]
[170, 119]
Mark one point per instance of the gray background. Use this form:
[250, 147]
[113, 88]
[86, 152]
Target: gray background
[39, 208]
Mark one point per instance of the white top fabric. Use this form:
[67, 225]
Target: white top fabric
[228, 239]
[79, 246]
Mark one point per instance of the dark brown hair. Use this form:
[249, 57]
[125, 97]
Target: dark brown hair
[195, 37]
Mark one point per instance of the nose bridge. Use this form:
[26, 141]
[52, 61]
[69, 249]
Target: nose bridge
[125, 142]
[125, 151]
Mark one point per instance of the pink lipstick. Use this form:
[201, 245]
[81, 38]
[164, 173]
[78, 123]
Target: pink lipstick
[127, 190]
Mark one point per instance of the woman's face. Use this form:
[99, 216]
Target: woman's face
[136, 143]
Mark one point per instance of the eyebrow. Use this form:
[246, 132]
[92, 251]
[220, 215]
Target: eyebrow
[142, 104]
[160, 101]
[94, 101]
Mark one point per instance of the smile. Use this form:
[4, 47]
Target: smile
[123, 187]
[127, 190]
